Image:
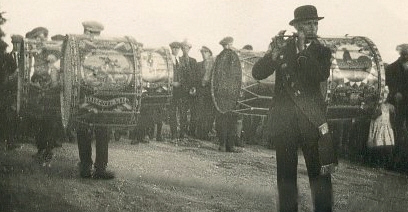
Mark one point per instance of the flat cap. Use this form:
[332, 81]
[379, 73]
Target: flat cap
[92, 26]
[226, 40]
[175, 44]
[186, 43]
[36, 32]
[403, 49]
[58, 37]
[204, 48]
[16, 38]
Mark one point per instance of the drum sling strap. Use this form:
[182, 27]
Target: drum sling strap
[326, 148]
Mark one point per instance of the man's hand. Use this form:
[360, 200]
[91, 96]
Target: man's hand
[278, 43]
[398, 97]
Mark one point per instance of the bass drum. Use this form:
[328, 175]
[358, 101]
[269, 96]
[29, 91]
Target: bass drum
[256, 95]
[107, 79]
[357, 77]
[253, 97]
[157, 74]
[38, 89]
[353, 89]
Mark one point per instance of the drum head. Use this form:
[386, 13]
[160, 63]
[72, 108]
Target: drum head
[226, 81]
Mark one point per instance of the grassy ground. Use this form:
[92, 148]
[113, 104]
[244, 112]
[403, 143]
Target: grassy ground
[188, 175]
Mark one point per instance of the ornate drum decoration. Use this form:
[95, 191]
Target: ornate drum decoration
[38, 89]
[352, 90]
[106, 80]
[357, 77]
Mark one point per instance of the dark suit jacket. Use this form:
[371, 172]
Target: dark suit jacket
[297, 85]
[189, 74]
[397, 81]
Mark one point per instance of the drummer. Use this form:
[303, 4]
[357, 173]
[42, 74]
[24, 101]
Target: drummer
[85, 133]
[226, 123]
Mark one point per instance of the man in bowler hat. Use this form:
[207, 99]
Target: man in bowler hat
[297, 116]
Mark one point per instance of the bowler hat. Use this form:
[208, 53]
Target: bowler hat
[175, 44]
[226, 40]
[306, 12]
[92, 26]
[204, 48]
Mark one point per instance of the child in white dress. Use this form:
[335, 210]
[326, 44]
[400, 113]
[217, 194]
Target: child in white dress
[381, 138]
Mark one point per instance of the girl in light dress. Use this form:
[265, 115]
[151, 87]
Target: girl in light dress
[381, 138]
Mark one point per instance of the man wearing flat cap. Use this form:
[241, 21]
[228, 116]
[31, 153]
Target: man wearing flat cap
[227, 62]
[86, 133]
[92, 28]
[396, 78]
[297, 117]
[206, 110]
[189, 82]
[176, 103]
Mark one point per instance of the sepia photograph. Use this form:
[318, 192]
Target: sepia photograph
[203, 106]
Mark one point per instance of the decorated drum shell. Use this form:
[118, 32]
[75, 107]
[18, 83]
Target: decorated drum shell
[39, 85]
[106, 80]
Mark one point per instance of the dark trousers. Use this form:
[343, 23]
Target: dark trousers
[175, 107]
[47, 131]
[84, 136]
[205, 113]
[8, 124]
[302, 134]
[226, 130]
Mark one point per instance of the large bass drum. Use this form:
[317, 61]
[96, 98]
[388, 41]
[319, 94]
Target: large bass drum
[253, 96]
[38, 89]
[352, 90]
[106, 80]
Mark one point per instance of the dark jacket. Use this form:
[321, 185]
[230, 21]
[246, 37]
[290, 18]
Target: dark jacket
[189, 76]
[397, 81]
[297, 85]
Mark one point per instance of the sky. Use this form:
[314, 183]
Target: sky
[156, 23]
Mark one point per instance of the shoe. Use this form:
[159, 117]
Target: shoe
[39, 154]
[134, 142]
[47, 156]
[11, 146]
[85, 170]
[103, 174]
[221, 148]
[235, 150]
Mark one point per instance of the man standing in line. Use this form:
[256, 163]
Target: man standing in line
[85, 133]
[189, 82]
[297, 116]
[226, 123]
[175, 104]
[205, 104]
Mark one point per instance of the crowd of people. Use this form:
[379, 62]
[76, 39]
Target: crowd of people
[297, 117]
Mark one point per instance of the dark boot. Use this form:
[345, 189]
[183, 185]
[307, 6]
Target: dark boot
[85, 170]
[102, 173]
